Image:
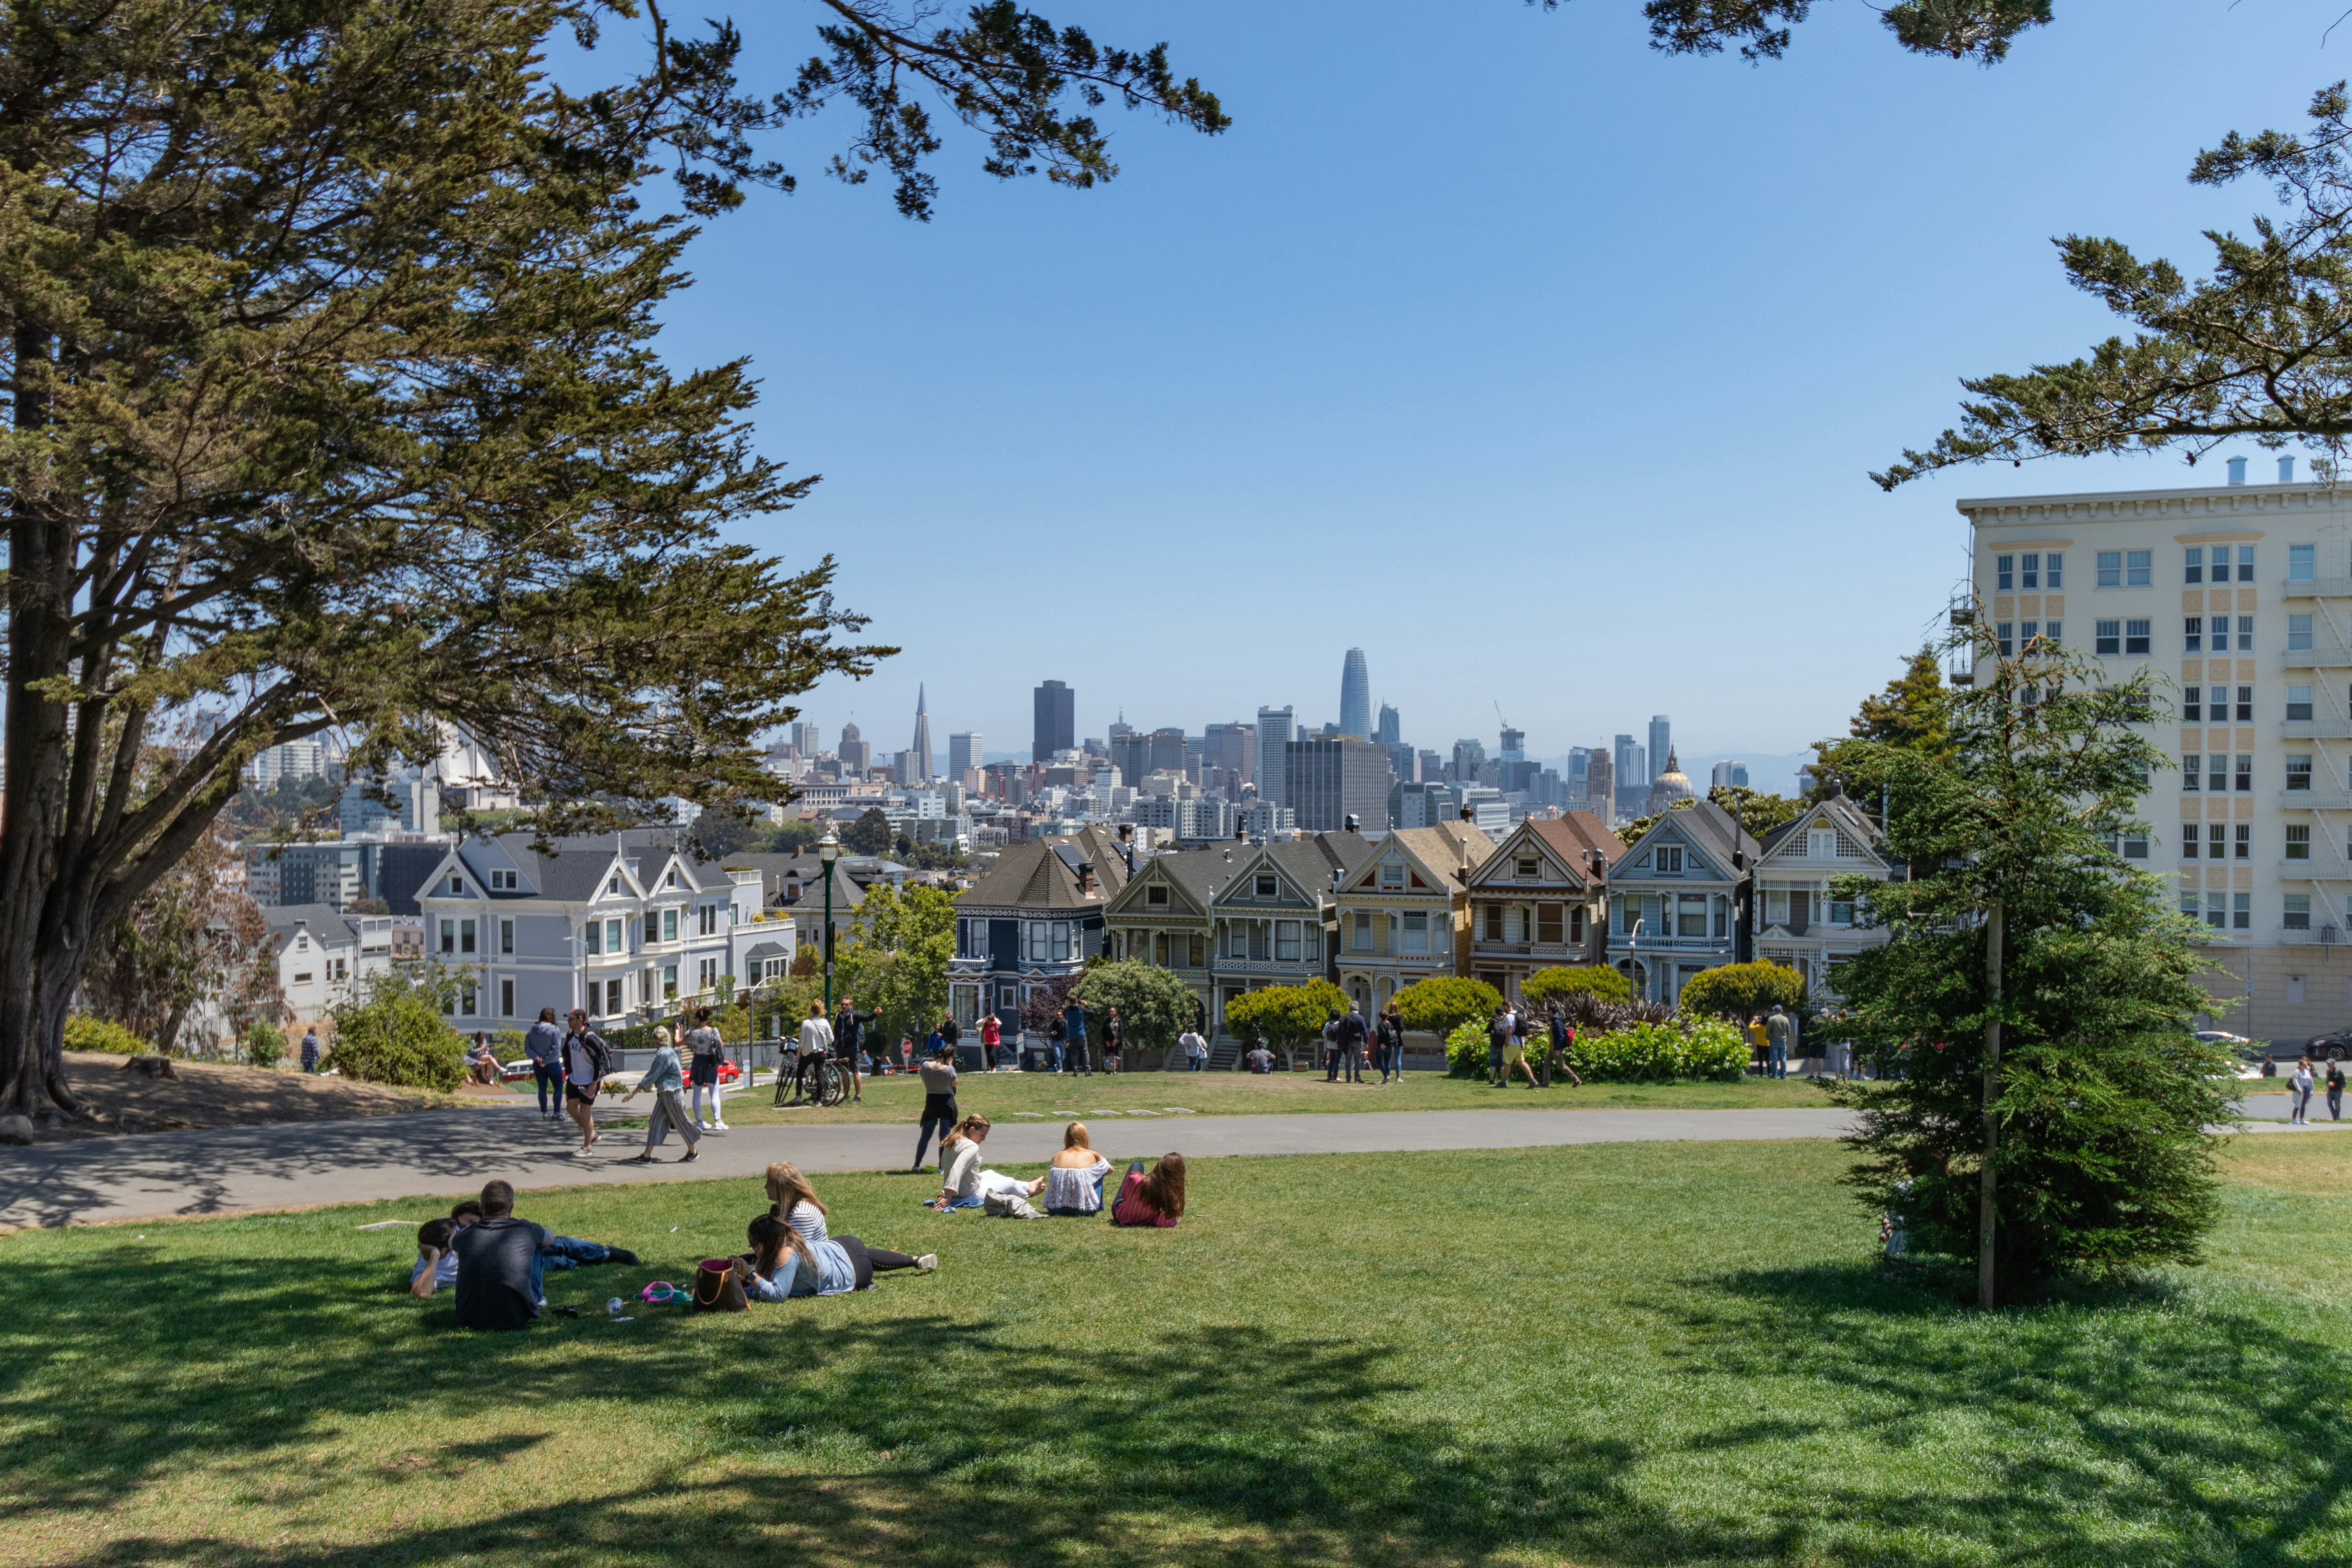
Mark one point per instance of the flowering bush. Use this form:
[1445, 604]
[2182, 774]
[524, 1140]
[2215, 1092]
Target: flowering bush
[1466, 1048]
[1680, 1047]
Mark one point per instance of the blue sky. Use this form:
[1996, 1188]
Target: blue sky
[1545, 368]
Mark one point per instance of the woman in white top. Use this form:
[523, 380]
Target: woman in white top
[1073, 1183]
[962, 1183]
[816, 1039]
[1196, 1050]
[2301, 1084]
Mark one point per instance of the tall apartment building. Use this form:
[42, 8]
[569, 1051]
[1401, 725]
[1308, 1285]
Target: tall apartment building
[2240, 596]
[1331, 781]
[290, 760]
[1276, 726]
[1055, 727]
[963, 754]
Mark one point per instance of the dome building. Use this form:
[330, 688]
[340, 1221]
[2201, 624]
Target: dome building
[1668, 787]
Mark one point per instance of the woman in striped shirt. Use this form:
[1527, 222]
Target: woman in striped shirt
[791, 1200]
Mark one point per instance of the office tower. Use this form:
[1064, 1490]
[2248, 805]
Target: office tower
[1392, 727]
[1331, 781]
[1273, 732]
[1732, 773]
[1056, 726]
[856, 755]
[1428, 767]
[1356, 697]
[1627, 773]
[1600, 786]
[963, 754]
[1167, 751]
[1514, 744]
[1579, 759]
[921, 745]
[1469, 762]
[805, 738]
[1228, 752]
[1404, 763]
[1661, 739]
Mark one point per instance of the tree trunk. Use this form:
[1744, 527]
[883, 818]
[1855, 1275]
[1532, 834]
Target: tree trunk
[1987, 1213]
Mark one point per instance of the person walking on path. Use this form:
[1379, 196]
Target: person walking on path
[1073, 1021]
[585, 1058]
[815, 1042]
[310, 1049]
[706, 1048]
[665, 1080]
[1780, 1033]
[939, 1102]
[1388, 1034]
[543, 1044]
[2300, 1086]
[1196, 1050]
[2334, 1087]
[1498, 1036]
[848, 1036]
[1563, 1035]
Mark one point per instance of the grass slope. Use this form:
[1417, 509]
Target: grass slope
[1627, 1354]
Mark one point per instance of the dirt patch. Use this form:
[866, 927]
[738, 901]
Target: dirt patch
[209, 1094]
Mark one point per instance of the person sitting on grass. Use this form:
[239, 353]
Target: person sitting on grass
[785, 1266]
[962, 1183]
[437, 1265]
[481, 1062]
[1260, 1059]
[1157, 1199]
[554, 1251]
[1074, 1183]
[792, 1200]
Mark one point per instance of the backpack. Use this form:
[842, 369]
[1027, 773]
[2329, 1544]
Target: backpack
[599, 1053]
[718, 1285]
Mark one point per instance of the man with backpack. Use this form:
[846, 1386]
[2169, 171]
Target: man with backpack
[586, 1060]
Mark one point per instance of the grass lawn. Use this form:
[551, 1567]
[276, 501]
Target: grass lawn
[1619, 1353]
[1007, 1096]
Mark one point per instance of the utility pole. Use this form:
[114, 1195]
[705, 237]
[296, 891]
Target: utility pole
[1985, 1201]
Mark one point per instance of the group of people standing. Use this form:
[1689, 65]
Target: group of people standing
[568, 1065]
[1349, 1046]
[2300, 1084]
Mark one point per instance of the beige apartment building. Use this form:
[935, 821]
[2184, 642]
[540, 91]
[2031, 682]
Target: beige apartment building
[2240, 596]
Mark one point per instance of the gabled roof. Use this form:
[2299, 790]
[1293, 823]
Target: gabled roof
[1196, 874]
[575, 869]
[1837, 811]
[323, 921]
[1307, 862]
[1447, 853]
[1563, 842]
[1042, 874]
[1708, 828]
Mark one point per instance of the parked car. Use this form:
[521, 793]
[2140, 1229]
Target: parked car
[2320, 1045]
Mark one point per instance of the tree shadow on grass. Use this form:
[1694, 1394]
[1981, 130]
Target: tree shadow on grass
[920, 1440]
[2120, 1427]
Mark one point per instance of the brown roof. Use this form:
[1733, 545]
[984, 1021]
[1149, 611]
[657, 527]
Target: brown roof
[1449, 847]
[1042, 874]
[1573, 833]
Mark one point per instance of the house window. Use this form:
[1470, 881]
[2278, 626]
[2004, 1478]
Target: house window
[2298, 772]
[502, 881]
[1061, 942]
[448, 936]
[506, 997]
[2217, 775]
[612, 943]
[2243, 773]
[2245, 841]
[2135, 636]
[1156, 897]
[2053, 573]
[2298, 841]
[2192, 703]
[2215, 914]
[653, 928]
[1038, 941]
[708, 925]
[2298, 912]
[303, 978]
[706, 976]
[2003, 634]
[2003, 574]
[457, 887]
[2192, 768]
[2245, 635]
[1820, 842]
[1198, 944]
[1414, 938]
[2302, 563]
[1841, 911]
[2245, 565]
[1575, 922]
[612, 996]
[2139, 568]
[669, 982]
[2196, 565]
[2298, 706]
[1286, 941]
[465, 936]
[2108, 638]
[506, 936]
[1493, 917]
[2193, 635]
[672, 880]
[2245, 705]
[1691, 914]
[1670, 860]
[2189, 841]
[2111, 569]
[2029, 572]
[1363, 923]
[2298, 634]
[1157, 952]
[339, 969]
[1530, 871]
[1392, 875]
[469, 1002]
[669, 925]
[2241, 911]
[1548, 923]
[1266, 888]
[2219, 631]
[2135, 848]
[2216, 840]
[593, 938]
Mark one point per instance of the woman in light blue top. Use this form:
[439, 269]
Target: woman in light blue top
[665, 1080]
[785, 1264]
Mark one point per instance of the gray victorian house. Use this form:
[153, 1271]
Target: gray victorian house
[1678, 900]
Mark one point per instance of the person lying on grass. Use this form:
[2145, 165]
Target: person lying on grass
[792, 1200]
[1157, 1199]
[1073, 1183]
[501, 1260]
[785, 1266]
[962, 1183]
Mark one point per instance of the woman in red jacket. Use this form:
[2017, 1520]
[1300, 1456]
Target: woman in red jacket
[1157, 1199]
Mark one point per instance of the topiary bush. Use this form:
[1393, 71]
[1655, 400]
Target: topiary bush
[84, 1033]
[396, 1033]
[1439, 1004]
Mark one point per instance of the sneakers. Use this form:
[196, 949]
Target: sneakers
[927, 1261]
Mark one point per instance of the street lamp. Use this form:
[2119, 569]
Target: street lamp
[828, 850]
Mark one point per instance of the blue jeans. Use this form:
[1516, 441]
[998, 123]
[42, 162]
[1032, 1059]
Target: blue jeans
[1076, 1055]
[1194, 1064]
[1776, 1060]
[1054, 1052]
[1392, 1061]
[971, 1202]
[568, 1252]
[549, 1077]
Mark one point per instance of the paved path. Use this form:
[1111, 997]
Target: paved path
[163, 1174]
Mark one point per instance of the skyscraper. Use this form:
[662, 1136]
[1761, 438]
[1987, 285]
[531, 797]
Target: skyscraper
[855, 752]
[1734, 774]
[1331, 781]
[1356, 697]
[1600, 786]
[963, 754]
[807, 738]
[1056, 726]
[1275, 729]
[1662, 736]
[1392, 727]
[1514, 744]
[924, 768]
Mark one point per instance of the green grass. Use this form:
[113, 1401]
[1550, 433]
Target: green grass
[1006, 1096]
[1630, 1353]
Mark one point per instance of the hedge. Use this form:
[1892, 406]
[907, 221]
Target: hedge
[84, 1033]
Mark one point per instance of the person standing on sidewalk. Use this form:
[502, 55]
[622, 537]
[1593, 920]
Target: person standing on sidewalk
[706, 1048]
[543, 1044]
[2336, 1086]
[1074, 1020]
[667, 1080]
[848, 1039]
[2299, 1087]
[585, 1058]
[1388, 1034]
[1779, 1031]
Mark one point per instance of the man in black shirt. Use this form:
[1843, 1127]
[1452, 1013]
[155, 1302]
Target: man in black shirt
[848, 1040]
[498, 1268]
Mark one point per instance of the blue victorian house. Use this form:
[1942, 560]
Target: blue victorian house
[1678, 900]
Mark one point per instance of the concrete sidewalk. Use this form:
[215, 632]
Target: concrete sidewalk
[455, 1151]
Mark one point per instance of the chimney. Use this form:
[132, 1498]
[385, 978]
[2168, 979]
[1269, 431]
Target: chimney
[1351, 821]
[2286, 470]
[2237, 470]
[1127, 845]
[1086, 876]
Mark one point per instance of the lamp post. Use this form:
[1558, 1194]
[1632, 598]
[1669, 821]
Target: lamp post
[828, 850]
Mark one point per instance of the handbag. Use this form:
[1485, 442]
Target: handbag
[717, 1287]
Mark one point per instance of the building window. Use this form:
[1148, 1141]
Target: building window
[1415, 937]
[2139, 568]
[2193, 635]
[669, 982]
[2245, 566]
[2217, 839]
[1156, 897]
[1266, 888]
[502, 881]
[1670, 860]
[2298, 912]
[506, 997]
[2298, 704]
[612, 943]
[2109, 637]
[457, 887]
[2298, 841]
[1286, 941]
[2111, 569]
[653, 928]
[2192, 768]
[2245, 634]
[1197, 943]
[2027, 631]
[2219, 631]
[2298, 634]
[2135, 636]
[2217, 773]
[2196, 568]
[1036, 953]
[1363, 929]
[593, 938]
[2302, 563]
[2192, 703]
[2001, 631]
[2215, 915]
[2245, 841]
[2244, 773]
[1530, 871]
[2298, 772]
[2242, 911]
[2004, 573]
[2245, 705]
[1493, 916]
[2053, 566]
[465, 938]
[612, 996]
[708, 925]
[2190, 902]
[338, 969]
[2049, 633]
[2135, 849]
[2029, 572]
[669, 925]
[1841, 911]
[1061, 942]
[506, 936]
[303, 977]
[1690, 914]
[706, 976]
[1548, 923]
[2189, 841]
[448, 936]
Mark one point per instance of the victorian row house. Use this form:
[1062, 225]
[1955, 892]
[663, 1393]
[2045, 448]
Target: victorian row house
[1540, 901]
[1678, 900]
[1035, 917]
[1798, 918]
[1402, 913]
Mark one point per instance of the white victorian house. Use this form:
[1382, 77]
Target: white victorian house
[1797, 917]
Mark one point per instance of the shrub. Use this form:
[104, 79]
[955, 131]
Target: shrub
[1439, 1004]
[1466, 1048]
[264, 1042]
[84, 1033]
[1679, 1049]
[396, 1033]
[1744, 989]
[1154, 1005]
[1290, 1017]
[1544, 985]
